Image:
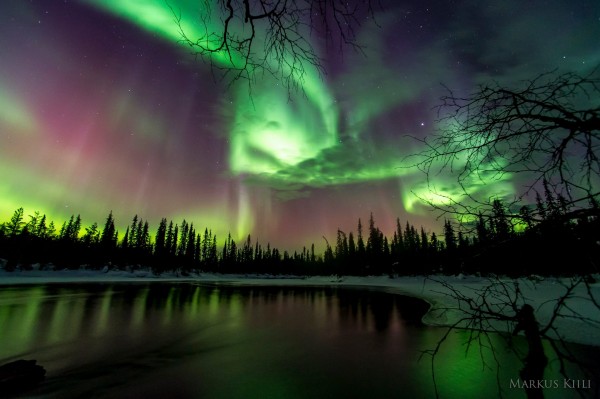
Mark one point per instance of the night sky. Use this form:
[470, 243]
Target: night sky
[101, 108]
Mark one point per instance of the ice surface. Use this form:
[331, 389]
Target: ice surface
[541, 293]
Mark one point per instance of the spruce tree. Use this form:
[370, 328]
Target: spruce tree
[74, 233]
[541, 209]
[92, 235]
[424, 241]
[189, 249]
[160, 240]
[41, 229]
[133, 236]
[169, 239]
[502, 227]
[205, 244]
[125, 242]
[341, 247]
[360, 244]
[399, 237]
[197, 249]
[409, 238]
[351, 246]
[526, 217]
[433, 243]
[107, 237]
[481, 230]
[33, 222]
[173, 249]
[374, 242]
[16, 223]
[449, 236]
[183, 240]
[51, 232]
[213, 252]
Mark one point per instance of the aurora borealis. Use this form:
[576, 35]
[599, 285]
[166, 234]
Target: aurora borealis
[101, 108]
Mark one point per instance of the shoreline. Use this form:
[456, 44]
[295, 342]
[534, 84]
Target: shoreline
[540, 293]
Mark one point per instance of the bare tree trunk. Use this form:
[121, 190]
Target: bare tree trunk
[536, 360]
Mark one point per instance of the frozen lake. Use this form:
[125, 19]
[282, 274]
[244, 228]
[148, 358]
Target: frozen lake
[191, 340]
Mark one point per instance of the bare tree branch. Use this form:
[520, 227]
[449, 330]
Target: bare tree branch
[548, 129]
[501, 307]
[245, 38]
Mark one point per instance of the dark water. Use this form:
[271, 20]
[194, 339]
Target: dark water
[217, 341]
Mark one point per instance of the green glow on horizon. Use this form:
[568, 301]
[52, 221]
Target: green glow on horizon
[211, 218]
[444, 193]
[47, 191]
[443, 188]
[11, 199]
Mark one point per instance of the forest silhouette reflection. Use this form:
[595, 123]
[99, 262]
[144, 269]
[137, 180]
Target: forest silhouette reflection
[225, 340]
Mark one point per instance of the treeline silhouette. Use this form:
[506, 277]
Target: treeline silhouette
[549, 238]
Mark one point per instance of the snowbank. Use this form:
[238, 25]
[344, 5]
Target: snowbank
[541, 293]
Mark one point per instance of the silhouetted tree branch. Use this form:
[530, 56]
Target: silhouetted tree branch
[500, 307]
[244, 38]
[546, 129]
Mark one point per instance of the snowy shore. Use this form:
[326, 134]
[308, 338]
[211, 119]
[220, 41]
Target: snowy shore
[541, 293]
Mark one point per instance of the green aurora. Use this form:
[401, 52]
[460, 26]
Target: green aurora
[288, 142]
[120, 130]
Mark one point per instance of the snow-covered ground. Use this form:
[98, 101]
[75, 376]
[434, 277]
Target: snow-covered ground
[541, 293]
